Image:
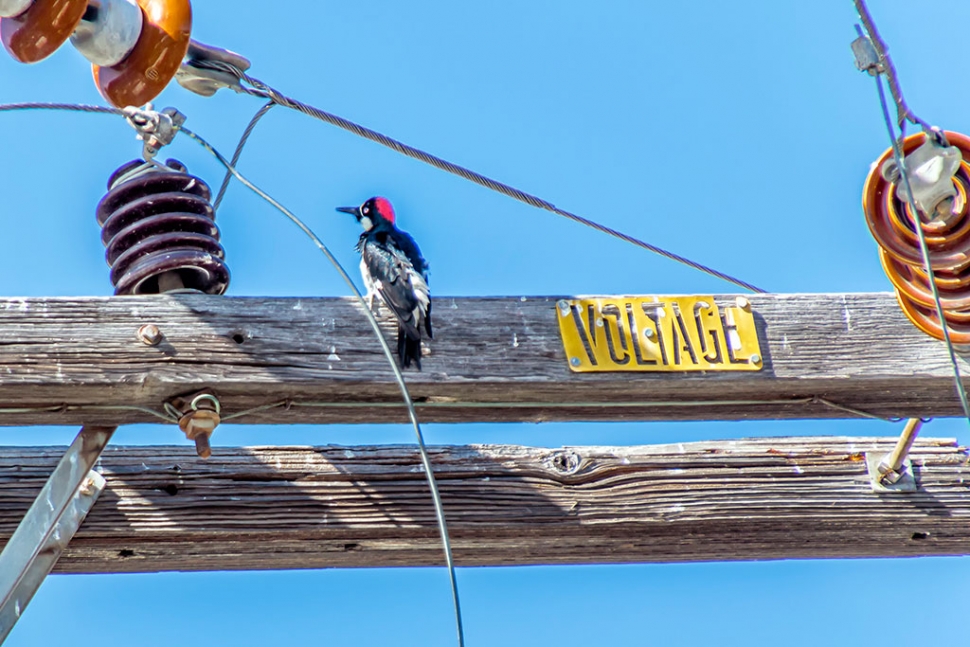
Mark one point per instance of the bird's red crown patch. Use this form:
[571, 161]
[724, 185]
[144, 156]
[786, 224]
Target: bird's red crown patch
[384, 208]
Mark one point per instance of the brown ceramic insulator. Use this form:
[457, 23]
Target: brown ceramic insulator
[45, 26]
[892, 227]
[913, 286]
[948, 240]
[152, 64]
[926, 320]
[159, 224]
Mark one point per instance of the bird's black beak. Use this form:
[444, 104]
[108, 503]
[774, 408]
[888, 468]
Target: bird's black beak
[351, 210]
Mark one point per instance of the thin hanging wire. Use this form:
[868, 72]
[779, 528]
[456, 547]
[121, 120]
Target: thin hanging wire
[398, 375]
[262, 90]
[924, 248]
[238, 152]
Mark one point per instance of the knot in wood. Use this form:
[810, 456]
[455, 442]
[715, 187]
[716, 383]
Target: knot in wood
[566, 462]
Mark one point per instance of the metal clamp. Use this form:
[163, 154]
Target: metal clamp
[205, 69]
[931, 169]
[155, 128]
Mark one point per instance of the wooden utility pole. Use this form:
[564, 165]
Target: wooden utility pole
[309, 507]
[313, 360]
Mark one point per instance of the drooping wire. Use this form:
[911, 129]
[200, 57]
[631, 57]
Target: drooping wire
[398, 375]
[903, 113]
[924, 248]
[238, 152]
[262, 90]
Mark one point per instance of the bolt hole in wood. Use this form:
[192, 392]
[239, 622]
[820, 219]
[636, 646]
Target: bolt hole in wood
[238, 337]
[171, 490]
[349, 547]
[920, 535]
[566, 462]
[125, 552]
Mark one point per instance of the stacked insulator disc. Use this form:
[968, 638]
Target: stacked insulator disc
[135, 46]
[158, 227]
[947, 233]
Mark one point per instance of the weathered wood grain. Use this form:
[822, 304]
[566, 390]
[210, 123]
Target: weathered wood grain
[70, 361]
[309, 507]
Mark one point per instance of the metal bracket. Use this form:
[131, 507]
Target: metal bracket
[155, 128]
[893, 472]
[866, 57]
[886, 480]
[197, 74]
[50, 524]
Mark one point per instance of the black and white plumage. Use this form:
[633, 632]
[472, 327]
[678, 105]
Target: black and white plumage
[393, 269]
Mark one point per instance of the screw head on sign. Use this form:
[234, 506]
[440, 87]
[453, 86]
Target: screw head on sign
[563, 306]
[574, 361]
[755, 359]
[648, 333]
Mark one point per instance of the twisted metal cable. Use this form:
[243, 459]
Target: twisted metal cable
[398, 375]
[70, 107]
[262, 90]
[903, 113]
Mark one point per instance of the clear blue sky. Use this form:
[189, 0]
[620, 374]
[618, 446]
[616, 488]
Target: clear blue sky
[736, 133]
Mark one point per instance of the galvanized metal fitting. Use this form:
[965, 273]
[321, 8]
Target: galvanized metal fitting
[199, 416]
[155, 128]
[893, 472]
[931, 169]
[866, 57]
[207, 69]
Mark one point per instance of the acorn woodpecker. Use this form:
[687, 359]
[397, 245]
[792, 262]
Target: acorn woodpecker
[392, 267]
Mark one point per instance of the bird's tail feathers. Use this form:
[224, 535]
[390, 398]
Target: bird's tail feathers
[408, 348]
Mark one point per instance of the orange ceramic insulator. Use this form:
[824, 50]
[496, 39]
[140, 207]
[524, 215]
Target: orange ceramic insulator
[38, 32]
[892, 224]
[144, 73]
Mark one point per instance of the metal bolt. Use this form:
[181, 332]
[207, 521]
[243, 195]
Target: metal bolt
[648, 333]
[755, 359]
[743, 303]
[574, 361]
[200, 416]
[150, 335]
[87, 486]
[198, 426]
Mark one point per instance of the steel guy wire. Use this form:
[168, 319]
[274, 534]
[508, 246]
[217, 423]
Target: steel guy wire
[924, 248]
[71, 107]
[267, 92]
[238, 152]
[398, 375]
[903, 113]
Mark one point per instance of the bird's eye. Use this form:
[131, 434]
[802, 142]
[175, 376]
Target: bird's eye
[366, 210]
